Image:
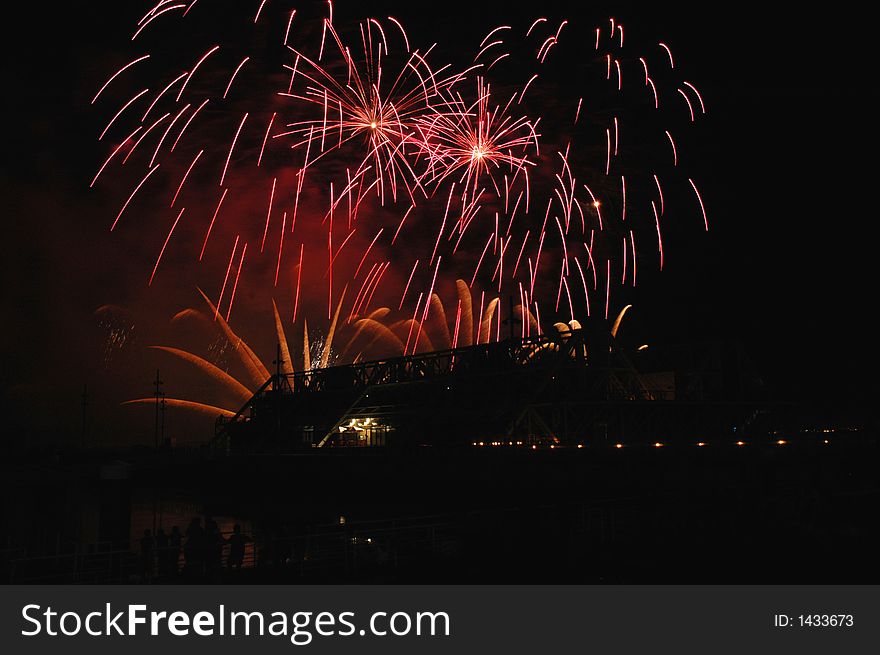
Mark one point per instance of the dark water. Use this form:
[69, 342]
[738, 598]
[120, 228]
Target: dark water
[806, 512]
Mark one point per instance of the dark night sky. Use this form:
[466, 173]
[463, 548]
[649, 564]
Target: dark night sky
[787, 267]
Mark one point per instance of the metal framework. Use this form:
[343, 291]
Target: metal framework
[562, 388]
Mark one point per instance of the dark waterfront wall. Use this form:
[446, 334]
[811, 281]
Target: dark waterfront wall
[798, 512]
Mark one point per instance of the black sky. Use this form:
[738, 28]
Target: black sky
[788, 267]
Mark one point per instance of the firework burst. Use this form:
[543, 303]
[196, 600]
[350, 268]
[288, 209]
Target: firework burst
[478, 139]
[363, 175]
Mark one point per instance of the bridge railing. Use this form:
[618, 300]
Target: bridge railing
[516, 352]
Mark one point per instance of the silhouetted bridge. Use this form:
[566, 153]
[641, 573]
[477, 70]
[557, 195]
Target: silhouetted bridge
[560, 388]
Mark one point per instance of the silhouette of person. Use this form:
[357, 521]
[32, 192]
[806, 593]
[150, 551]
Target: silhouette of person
[174, 543]
[236, 542]
[162, 552]
[194, 549]
[214, 543]
[147, 545]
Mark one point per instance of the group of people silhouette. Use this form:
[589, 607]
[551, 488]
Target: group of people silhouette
[201, 546]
